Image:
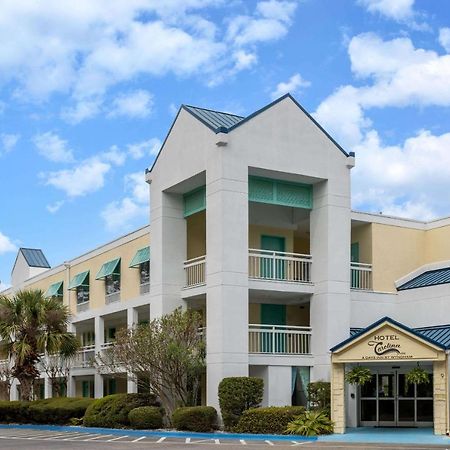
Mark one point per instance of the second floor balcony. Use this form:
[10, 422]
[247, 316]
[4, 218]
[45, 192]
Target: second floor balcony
[361, 276]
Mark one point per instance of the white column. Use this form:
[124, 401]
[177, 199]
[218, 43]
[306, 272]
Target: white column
[99, 330]
[98, 385]
[279, 385]
[13, 394]
[132, 386]
[132, 317]
[47, 387]
[226, 270]
[71, 387]
[168, 251]
[330, 227]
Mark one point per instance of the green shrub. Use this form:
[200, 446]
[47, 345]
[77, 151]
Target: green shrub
[13, 412]
[311, 423]
[58, 410]
[112, 411]
[273, 419]
[237, 394]
[146, 418]
[319, 395]
[195, 418]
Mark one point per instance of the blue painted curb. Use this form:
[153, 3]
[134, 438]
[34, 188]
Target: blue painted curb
[157, 433]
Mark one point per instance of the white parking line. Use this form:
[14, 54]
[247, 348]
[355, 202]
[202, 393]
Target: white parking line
[216, 441]
[139, 439]
[98, 437]
[242, 442]
[268, 442]
[160, 440]
[188, 441]
[116, 438]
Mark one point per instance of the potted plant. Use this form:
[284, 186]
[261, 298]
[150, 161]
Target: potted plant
[358, 375]
[417, 376]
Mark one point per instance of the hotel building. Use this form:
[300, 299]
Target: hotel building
[251, 224]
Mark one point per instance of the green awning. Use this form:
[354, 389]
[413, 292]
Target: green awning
[108, 269]
[82, 279]
[54, 289]
[141, 256]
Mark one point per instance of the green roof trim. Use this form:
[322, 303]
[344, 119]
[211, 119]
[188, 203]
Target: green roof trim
[108, 268]
[141, 256]
[55, 290]
[79, 280]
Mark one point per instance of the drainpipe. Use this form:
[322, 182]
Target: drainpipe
[447, 427]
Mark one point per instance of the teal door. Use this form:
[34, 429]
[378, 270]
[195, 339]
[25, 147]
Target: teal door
[270, 268]
[274, 339]
[354, 258]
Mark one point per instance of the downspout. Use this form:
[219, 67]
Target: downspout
[447, 426]
[66, 284]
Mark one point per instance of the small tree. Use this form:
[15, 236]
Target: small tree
[57, 368]
[32, 325]
[6, 379]
[169, 353]
[319, 395]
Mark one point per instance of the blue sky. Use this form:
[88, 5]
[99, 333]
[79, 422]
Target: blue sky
[88, 90]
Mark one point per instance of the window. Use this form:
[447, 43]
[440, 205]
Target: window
[80, 284]
[82, 294]
[110, 272]
[112, 283]
[144, 272]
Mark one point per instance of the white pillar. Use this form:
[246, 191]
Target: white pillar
[71, 387]
[13, 394]
[132, 317]
[279, 385]
[330, 228]
[98, 385]
[168, 227]
[47, 387]
[99, 330]
[226, 270]
[132, 386]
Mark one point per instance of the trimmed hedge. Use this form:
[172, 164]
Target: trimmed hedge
[270, 420]
[237, 394]
[146, 418]
[195, 418]
[112, 411]
[58, 411]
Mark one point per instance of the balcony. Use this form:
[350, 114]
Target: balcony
[195, 270]
[361, 276]
[112, 297]
[144, 288]
[279, 339]
[279, 266]
[85, 357]
[82, 306]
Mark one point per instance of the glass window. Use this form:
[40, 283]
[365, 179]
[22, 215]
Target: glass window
[112, 283]
[82, 294]
[368, 410]
[144, 271]
[425, 410]
[426, 389]
[369, 389]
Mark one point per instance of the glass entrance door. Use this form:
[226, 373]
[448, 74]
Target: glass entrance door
[389, 400]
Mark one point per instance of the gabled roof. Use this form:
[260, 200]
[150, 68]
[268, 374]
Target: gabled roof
[221, 122]
[428, 278]
[421, 333]
[216, 120]
[35, 257]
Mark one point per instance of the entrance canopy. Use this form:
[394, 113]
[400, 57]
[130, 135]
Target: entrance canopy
[385, 341]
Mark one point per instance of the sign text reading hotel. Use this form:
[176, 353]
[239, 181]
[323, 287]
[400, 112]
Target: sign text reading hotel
[386, 346]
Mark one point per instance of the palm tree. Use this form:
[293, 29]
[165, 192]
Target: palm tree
[31, 326]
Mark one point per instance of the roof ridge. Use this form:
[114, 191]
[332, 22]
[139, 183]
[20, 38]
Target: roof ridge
[213, 110]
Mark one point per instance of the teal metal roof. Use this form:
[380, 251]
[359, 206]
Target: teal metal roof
[109, 268]
[55, 290]
[81, 279]
[439, 334]
[216, 120]
[428, 278]
[141, 256]
[35, 257]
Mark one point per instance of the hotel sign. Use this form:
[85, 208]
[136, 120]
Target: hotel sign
[388, 343]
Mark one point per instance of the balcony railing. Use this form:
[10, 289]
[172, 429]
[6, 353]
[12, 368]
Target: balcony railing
[83, 306]
[279, 266]
[361, 276]
[279, 339]
[144, 288]
[195, 270]
[85, 357]
[112, 297]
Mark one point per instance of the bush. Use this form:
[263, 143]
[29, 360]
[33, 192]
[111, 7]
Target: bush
[319, 395]
[195, 418]
[237, 394]
[146, 418]
[273, 419]
[311, 423]
[13, 412]
[112, 411]
[58, 411]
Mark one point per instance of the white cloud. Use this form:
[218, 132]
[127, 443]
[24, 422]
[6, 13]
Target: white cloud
[114, 155]
[444, 38]
[88, 176]
[52, 147]
[137, 104]
[134, 207]
[394, 9]
[4, 286]
[294, 84]
[6, 245]
[145, 148]
[271, 21]
[83, 109]
[398, 75]
[244, 60]
[406, 179]
[54, 207]
[8, 142]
